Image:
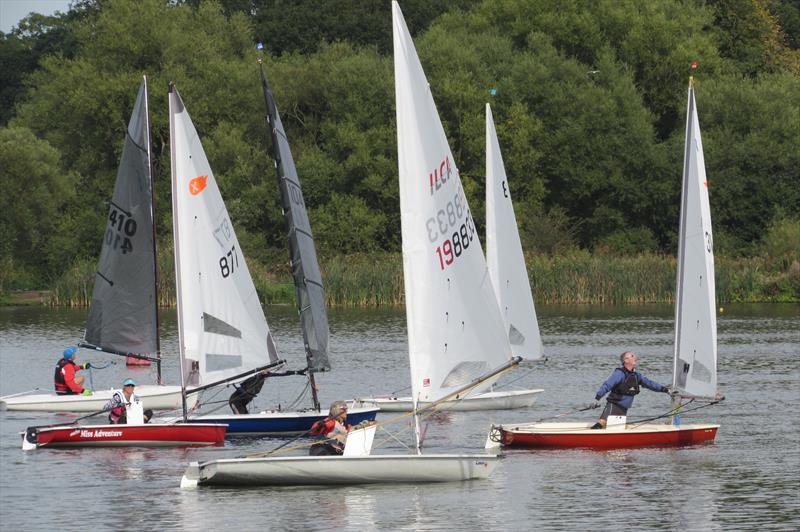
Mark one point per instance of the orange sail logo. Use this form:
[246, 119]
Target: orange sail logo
[197, 185]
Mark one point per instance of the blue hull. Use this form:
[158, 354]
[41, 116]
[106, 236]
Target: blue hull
[279, 423]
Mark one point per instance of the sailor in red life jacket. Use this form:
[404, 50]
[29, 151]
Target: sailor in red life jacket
[120, 399]
[66, 383]
[333, 428]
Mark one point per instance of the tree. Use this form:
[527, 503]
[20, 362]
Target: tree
[35, 235]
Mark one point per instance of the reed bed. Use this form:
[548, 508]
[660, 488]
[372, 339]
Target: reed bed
[364, 280]
[74, 288]
[376, 279]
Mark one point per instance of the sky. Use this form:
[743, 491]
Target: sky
[12, 11]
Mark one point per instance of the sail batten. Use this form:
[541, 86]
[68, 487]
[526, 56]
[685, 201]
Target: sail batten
[306, 274]
[123, 315]
[695, 356]
[455, 331]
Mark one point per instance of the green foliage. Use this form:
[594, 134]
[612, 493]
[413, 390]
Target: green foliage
[36, 239]
[781, 245]
[589, 107]
[752, 160]
[629, 241]
[346, 225]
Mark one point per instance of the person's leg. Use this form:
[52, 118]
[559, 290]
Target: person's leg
[79, 380]
[601, 423]
[238, 402]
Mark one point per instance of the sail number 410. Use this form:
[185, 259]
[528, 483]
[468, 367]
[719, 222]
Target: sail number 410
[121, 228]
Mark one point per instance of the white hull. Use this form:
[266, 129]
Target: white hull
[485, 401]
[153, 397]
[327, 470]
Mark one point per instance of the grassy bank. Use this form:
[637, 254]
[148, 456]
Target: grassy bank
[577, 277]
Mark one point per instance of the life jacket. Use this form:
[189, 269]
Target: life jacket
[331, 432]
[629, 385]
[58, 379]
[119, 414]
[323, 427]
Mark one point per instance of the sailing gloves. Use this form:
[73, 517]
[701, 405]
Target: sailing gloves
[86, 366]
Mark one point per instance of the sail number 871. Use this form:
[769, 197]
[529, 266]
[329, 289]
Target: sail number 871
[229, 262]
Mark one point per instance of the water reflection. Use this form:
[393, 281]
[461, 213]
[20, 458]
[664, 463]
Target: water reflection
[748, 480]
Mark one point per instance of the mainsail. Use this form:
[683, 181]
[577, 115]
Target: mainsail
[305, 268]
[222, 329]
[123, 317]
[455, 331]
[695, 369]
[504, 255]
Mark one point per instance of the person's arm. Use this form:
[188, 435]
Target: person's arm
[615, 378]
[112, 403]
[69, 378]
[652, 385]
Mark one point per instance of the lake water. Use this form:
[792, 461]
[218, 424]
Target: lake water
[749, 479]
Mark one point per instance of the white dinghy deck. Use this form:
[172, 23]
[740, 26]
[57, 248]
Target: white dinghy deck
[505, 400]
[154, 396]
[339, 470]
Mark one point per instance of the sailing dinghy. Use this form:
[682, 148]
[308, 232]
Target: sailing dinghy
[305, 273]
[134, 433]
[418, 130]
[695, 346]
[123, 316]
[455, 330]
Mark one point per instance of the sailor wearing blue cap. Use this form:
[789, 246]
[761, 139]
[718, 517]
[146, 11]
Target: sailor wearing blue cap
[64, 380]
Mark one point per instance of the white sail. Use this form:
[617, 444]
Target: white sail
[695, 370]
[504, 255]
[455, 331]
[222, 328]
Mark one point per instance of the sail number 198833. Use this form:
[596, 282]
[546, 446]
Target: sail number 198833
[454, 224]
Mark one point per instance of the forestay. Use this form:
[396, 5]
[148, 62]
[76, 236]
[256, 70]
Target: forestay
[223, 331]
[123, 313]
[695, 370]
[455, 330]
[504, 255]
[305, 267]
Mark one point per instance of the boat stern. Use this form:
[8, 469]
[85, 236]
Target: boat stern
[30, 439]
[191, 476]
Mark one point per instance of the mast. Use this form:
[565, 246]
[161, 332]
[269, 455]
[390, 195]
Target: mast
[682, 236]
[175, 106]
[306, 275]
[159, 378]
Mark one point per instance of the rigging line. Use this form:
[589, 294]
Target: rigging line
[509, 383]
[677, 410]
[105, 366]
[584, 409]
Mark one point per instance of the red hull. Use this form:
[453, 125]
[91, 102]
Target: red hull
[150, 435]
[134, 361]
[602, 439]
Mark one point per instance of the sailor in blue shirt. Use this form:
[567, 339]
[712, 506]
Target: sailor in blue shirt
[623, 384]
